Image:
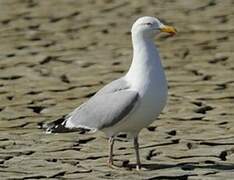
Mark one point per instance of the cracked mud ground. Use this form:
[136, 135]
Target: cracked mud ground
[55, 54]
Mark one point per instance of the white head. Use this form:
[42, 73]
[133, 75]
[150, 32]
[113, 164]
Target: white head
[149, 26]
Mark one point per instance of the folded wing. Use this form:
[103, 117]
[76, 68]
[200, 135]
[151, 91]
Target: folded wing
[106, 108]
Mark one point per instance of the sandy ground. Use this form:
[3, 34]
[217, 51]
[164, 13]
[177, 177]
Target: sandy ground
[54, 54]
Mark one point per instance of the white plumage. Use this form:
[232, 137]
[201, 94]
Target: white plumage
[132, 102]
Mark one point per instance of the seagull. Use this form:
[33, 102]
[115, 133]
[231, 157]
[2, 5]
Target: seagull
[130, 103]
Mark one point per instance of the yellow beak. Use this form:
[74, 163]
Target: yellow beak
[169, 29]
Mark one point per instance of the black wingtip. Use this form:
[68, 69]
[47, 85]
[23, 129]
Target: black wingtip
[57, 126]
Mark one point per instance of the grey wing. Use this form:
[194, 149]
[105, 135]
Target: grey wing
[109, 106]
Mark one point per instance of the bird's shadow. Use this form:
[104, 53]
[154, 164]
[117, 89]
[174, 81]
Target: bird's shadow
[189, 166]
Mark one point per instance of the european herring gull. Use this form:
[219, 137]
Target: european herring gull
[131, 102]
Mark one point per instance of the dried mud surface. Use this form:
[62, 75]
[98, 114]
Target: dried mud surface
[55, 54]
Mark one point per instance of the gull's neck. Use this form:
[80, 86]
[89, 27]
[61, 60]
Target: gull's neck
[146, 63]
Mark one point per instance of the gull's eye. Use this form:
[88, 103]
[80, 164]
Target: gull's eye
[149, 24]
